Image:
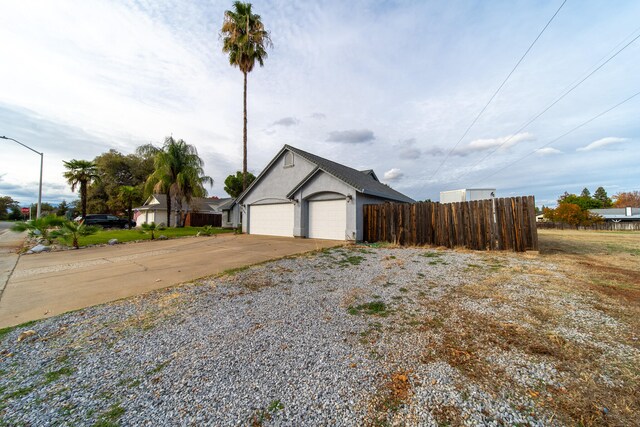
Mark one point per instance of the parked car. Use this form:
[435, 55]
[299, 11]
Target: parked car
[107, 221]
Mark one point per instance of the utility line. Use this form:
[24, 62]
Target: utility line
[567, 92]
[496, 92]
[561, 136]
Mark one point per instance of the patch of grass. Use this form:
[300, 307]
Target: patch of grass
[350, 260]
[159, 367]
[103, 236]
[431, 254]
[110, 417]
[275, 406]
[403, 290]
[19, 393]
[259, 417]
[50, 377]
[374, 308]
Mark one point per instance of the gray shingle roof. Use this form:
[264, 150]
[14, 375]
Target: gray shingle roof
[363, 181]
[198, 204]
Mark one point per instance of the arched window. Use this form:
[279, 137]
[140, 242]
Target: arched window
[288, 159]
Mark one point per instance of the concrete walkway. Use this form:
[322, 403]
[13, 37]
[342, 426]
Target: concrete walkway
[48, 284]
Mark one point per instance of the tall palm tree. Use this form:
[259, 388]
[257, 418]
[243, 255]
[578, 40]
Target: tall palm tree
[178, 174]
[245, 40]
[81, 172]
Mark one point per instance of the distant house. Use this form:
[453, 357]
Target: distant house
[299, 194]
[154, 209]
[618, 214]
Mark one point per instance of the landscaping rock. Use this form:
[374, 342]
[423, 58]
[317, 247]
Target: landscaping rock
[162, 237]
[113, 242]
[39, 248]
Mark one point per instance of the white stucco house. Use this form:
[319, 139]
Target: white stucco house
[300, 194]
[154, 208]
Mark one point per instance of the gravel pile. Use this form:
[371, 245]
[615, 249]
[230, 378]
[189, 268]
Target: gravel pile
[312, 340]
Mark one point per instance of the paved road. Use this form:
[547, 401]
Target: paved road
[47, 284]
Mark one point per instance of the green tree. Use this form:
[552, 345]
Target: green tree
[233, 184]
[585, 202]
[602, 196]
[6, 205]
[72, 231]
[80, 172]
[129, 195]
[62, 208]
[585, 192]
[178, 173]
[40, 227]
[245, 40]
[573, 214]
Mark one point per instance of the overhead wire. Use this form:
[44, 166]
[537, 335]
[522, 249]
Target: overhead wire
[567, 92]
[497, 90]
[560, 137]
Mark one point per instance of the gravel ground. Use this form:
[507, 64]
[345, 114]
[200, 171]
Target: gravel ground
[349, 336]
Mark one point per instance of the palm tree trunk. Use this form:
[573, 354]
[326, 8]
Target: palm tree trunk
[168, 194]
[244, 137]
[83, 197]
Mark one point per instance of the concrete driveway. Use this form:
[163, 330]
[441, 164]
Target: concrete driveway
[47, 284]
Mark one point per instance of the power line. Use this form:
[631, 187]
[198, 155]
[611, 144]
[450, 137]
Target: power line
[496, 92]
[561, 136]
[567, 92]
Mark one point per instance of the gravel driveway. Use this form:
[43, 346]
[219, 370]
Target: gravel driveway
[348, 336]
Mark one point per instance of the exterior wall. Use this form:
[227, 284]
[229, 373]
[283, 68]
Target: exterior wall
[151, 215]
[323, 187]
[230, 218]
[453, 196]
[274, 186]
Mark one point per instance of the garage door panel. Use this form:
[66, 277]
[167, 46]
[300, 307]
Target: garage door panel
[328, 219]
[271, 220]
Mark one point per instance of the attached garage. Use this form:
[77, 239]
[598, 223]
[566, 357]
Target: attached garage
[328, 219]
[271, 220]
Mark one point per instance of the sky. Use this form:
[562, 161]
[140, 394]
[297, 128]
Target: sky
[387, 85]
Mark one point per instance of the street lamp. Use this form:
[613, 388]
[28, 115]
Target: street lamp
[39, 208]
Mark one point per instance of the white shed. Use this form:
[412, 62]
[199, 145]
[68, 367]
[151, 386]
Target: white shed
[467, 195]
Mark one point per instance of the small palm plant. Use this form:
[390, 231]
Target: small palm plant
[151, 228]
[72, 231]
[40, 227]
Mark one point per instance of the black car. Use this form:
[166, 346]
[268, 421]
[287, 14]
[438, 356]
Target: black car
[107, 221]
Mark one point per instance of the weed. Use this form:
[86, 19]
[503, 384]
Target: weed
[50, 377]
[19, 393]
[374, 308]
[159, 367]
[275, 406]
[403, 290]
[258, 418]
[430, 254]
[110, 418]
[350, 260]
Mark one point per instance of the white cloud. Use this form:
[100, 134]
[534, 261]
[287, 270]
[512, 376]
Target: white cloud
[603, 143]
[547, 151]
[504, 142]
[393, 174]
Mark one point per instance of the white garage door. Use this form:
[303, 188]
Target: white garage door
[271, 220]
[328, 219]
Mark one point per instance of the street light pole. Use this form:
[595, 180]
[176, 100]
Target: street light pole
[39, 208]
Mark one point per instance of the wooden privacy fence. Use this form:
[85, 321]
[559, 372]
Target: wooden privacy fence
[497, 224]
[194, 219]
[605, 226]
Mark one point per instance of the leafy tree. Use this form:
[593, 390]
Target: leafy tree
[585, 202]
[233, 184]
[81, 172]
[40, 227]
[245, 39]
[15, 213]
[117, 170]
[6, 205]
[72, 231]
[627, 199]
[129, 195]
[178, 173]
[601, 195]
[571, 213]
